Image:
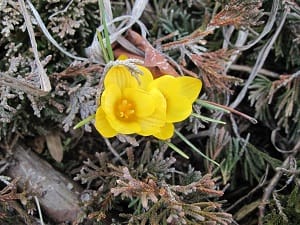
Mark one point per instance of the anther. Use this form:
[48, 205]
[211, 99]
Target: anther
[122, 114]
[131, 111]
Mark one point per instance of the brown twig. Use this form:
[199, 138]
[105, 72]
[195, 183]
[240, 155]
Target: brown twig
[79, 69]
[14, 83]
[251, 119]
[196, 37]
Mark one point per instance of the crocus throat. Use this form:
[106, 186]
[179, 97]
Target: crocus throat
[125, 109]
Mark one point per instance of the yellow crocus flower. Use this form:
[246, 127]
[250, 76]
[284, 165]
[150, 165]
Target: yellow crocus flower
[144, 105]
[127, 107]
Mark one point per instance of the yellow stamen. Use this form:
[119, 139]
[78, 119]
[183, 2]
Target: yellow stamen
[125, 109]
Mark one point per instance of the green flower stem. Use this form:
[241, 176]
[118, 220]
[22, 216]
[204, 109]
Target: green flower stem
[194, 148]
[102, 46]
[107, 47]
[107, 41]
[84, 121]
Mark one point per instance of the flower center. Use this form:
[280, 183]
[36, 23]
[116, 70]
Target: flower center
[125, 109]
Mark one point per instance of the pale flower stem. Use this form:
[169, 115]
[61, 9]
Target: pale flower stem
[178, 150]
[261, 58]
[39, 210]
[114, 152]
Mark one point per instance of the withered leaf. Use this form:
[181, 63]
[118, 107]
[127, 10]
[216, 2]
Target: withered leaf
[54, 145]
[154, 60]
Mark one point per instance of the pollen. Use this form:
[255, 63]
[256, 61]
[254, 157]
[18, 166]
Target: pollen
[125, 109]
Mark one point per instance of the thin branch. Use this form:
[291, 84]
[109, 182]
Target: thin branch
[251, 119]
[273, 183]
[114, 152]
[260, 185]
[14, 83]
[249, 69]
[61, 11]
[293, 76]
[291, 171]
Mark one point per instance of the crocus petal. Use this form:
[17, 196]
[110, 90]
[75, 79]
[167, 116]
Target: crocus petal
[146, 78]
[189, 87]
[165, 132]
[143, 101]
[124, 127]
[178, 107]
[152, 123]
[166, 84]
[121, 76]
[122, 57]
[111, 95]
[102, 125]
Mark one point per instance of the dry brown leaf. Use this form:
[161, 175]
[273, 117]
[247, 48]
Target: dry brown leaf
[153, 59]
[54, 145]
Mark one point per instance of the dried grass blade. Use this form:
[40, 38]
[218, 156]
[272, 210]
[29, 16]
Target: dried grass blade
[260, 61]
[44, 79]
[48, 35]
[194, 148]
